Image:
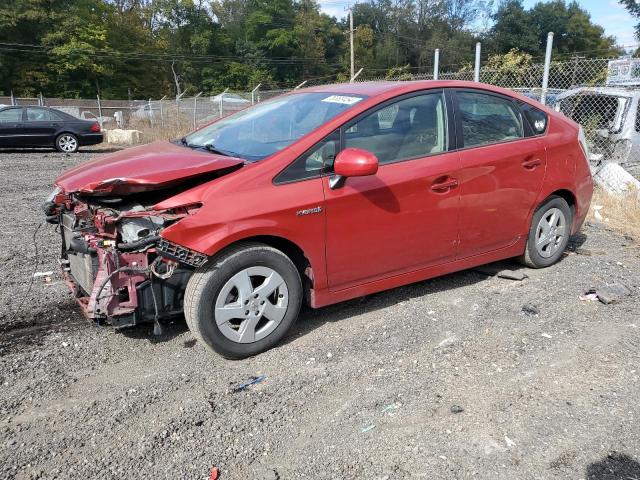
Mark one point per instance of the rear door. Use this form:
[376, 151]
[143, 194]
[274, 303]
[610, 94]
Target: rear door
[502, 170]
[41, 126]
[11, 126]
[405, 217]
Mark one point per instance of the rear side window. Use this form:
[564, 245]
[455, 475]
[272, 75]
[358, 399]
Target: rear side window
[487, 119]
[11, 115]
[41, 115]
[536, 118]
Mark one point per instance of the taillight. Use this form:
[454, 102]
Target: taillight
[95, 127]
[583, 143]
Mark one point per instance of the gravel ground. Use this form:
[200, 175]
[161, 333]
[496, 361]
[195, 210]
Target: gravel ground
[465, 376]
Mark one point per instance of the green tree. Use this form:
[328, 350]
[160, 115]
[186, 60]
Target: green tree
[633, 7]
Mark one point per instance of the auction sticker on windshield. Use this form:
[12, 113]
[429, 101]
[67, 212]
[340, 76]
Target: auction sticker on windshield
[342, 99]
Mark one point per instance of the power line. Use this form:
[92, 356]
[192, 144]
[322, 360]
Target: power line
[154, 55]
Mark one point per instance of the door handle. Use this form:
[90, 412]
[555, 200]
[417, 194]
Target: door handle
[444, 186]
[531, 163]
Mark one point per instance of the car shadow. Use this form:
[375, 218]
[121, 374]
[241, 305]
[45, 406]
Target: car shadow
[311, 319]
[170, 329]
[615, 466]
[576, 241]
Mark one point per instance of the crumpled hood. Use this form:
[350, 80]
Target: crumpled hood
[142, 168]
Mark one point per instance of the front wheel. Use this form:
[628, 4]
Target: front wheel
[67, 143]
[549, 233]
[244, 301]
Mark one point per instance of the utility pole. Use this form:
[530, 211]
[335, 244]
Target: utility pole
[476, 72]
[352, 72]
[547, 65]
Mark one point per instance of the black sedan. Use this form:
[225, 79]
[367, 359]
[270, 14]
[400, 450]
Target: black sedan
[46, 127]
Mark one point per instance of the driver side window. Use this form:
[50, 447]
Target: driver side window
[413, 127]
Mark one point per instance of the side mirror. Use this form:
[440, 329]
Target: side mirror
[352, 162]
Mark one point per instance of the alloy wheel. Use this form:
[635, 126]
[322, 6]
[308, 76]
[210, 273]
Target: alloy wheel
[251, 304]
[550, 232]
[67, 143]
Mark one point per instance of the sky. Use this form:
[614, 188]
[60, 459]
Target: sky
[608, 13]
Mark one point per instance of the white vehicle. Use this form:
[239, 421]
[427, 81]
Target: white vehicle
[611, 122]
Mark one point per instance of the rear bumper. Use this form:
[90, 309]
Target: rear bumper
[90, 139]
[584, 193]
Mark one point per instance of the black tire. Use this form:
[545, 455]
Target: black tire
[67, 143]
[207, 282]
[532, 258]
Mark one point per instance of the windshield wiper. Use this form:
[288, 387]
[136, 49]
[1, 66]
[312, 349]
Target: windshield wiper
[210, 148]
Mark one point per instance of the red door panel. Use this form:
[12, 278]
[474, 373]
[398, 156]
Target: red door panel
[498, 186]
[401, 219]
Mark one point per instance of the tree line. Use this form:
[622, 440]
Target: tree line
[151, 48]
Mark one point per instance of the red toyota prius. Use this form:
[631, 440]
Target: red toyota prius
[318, 196]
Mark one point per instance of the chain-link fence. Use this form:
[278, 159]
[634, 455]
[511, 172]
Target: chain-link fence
[177, 113]
[599, 93]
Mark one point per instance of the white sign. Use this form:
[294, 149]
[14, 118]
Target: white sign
[624, 72]
[342, 99]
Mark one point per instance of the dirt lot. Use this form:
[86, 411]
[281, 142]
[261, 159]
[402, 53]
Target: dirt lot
[548, 384]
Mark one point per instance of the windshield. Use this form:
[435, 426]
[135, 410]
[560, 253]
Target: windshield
[265, 128]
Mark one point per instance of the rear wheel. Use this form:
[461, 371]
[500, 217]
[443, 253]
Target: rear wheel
[244, 301]
[67, 143]
[549, 233]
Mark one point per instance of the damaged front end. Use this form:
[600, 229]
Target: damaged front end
[113, 259]
[111, 213]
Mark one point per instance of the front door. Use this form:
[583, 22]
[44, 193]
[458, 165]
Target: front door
[406, 216]
[11, 127]
[501, 172]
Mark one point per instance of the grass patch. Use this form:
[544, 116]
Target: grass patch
[620, 213]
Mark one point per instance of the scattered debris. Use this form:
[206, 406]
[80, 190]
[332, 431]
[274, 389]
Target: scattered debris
[597, 215]
[589, 296]
[615, 180]
[251, 381]
[213, 475]
[530, 309]
[43, 274]
[513, 275]
[456, 409]
[329, 354]
[498, 269]
[509, 442]
[450, 340]
[612, 293]
[392, 406]
[367, 428]
[545, 335]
